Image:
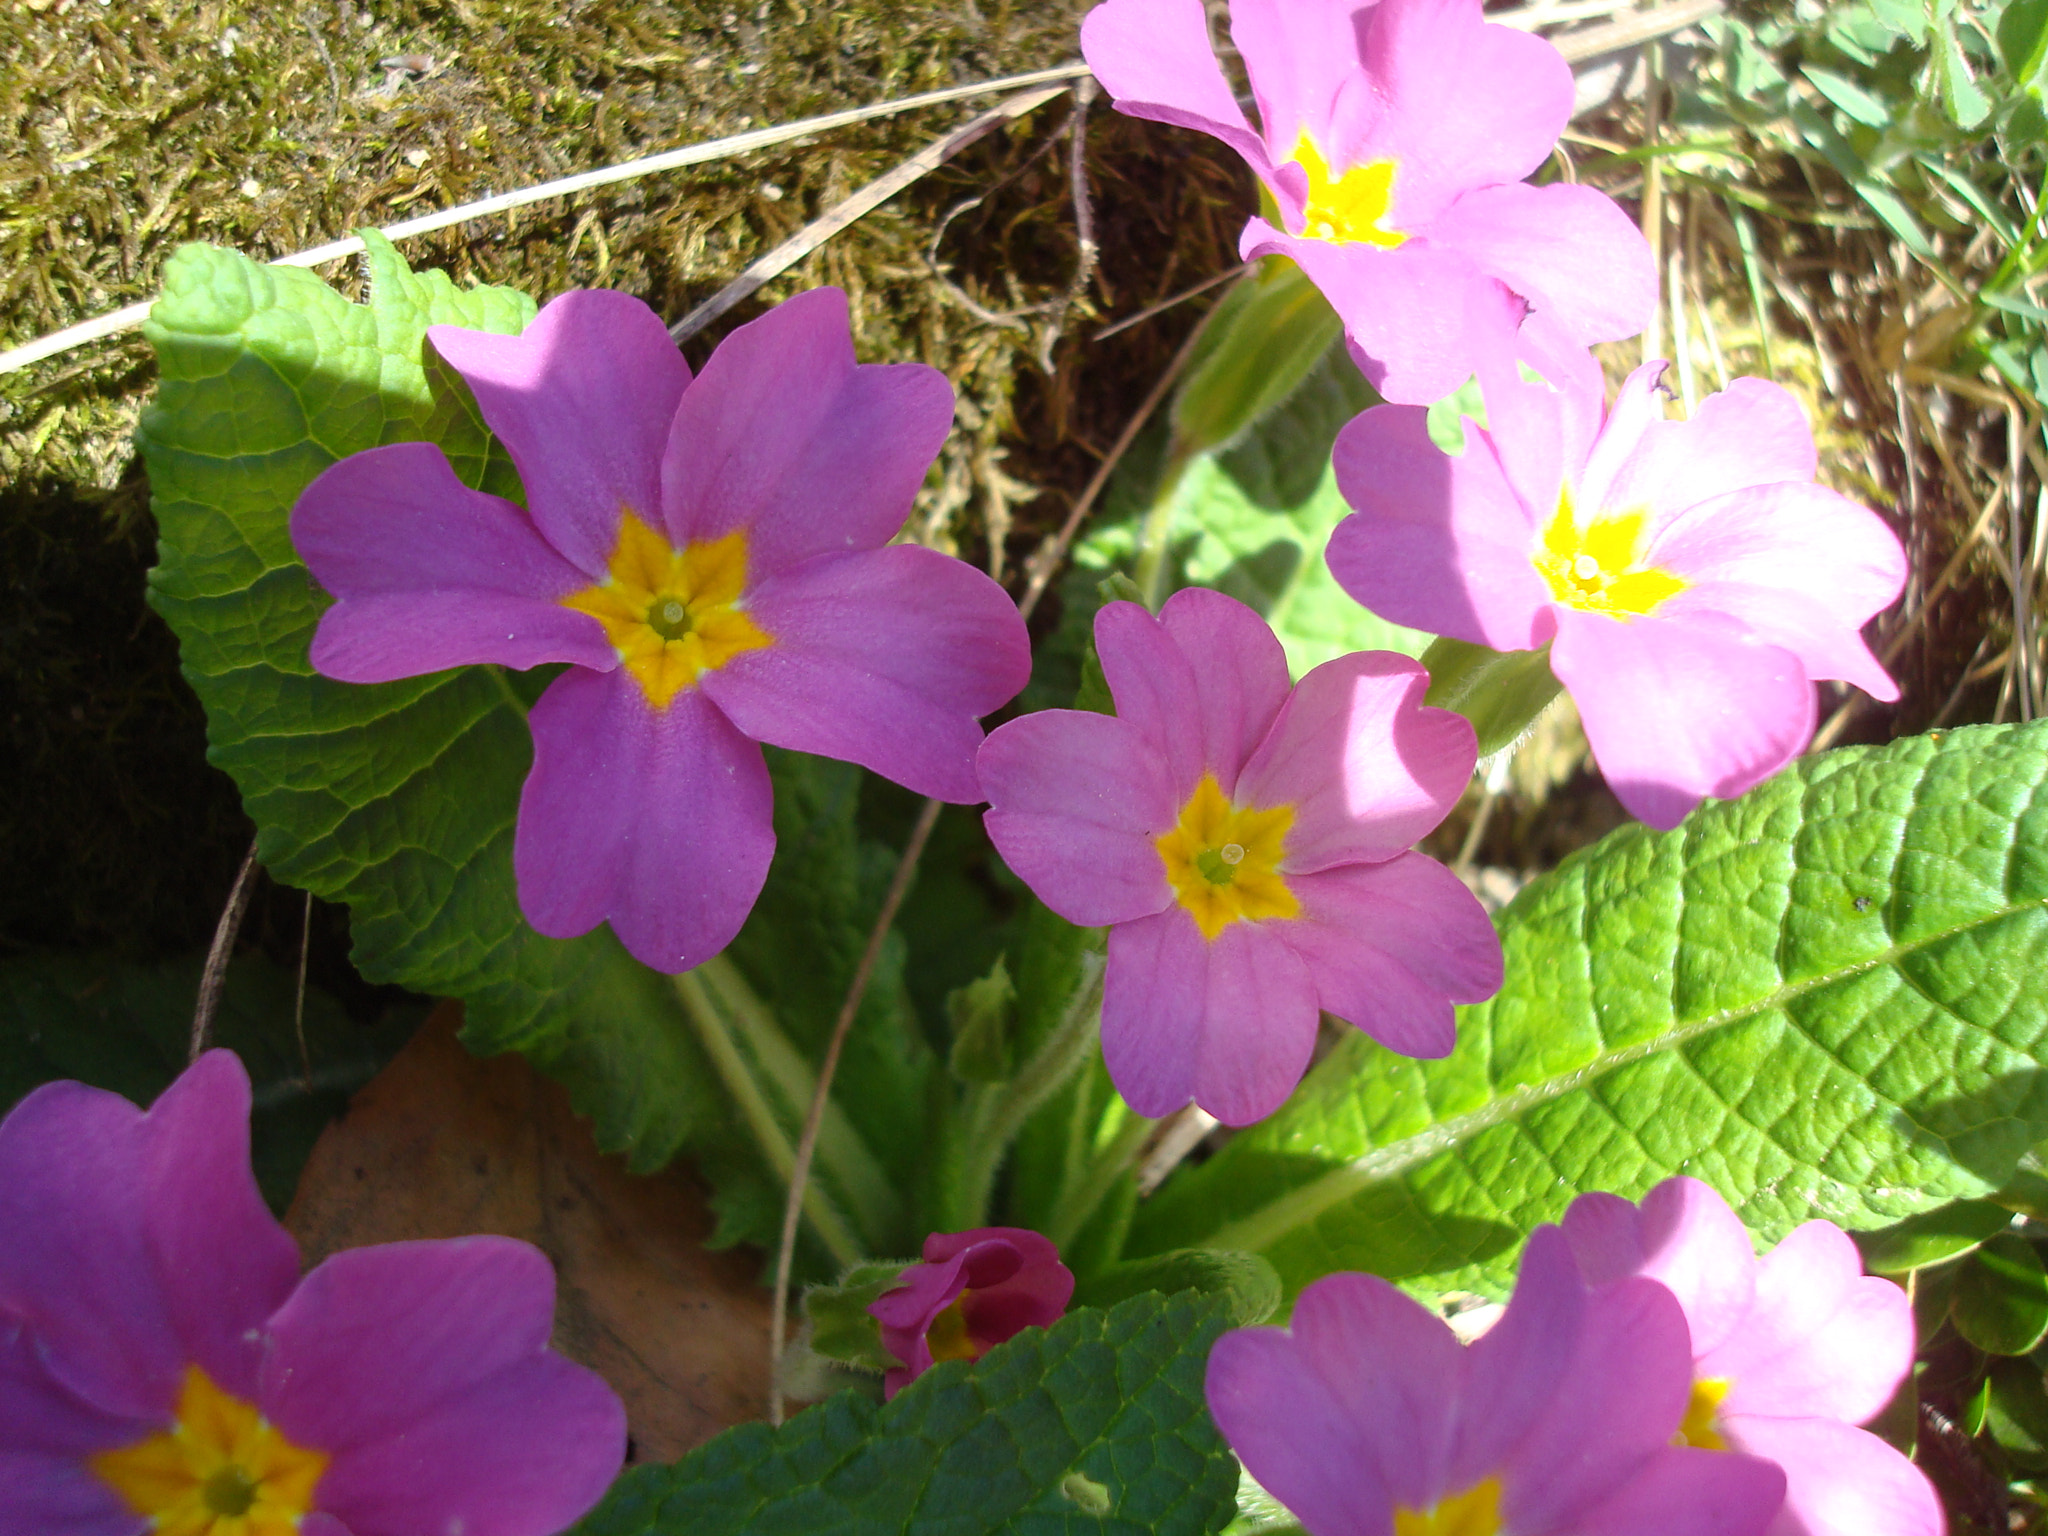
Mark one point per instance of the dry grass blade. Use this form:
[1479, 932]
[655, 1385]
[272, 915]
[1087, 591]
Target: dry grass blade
[127, 319]
[766, 268]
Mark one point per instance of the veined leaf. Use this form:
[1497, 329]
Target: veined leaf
[1095, 1424]
[400, 799]
[1823, 999]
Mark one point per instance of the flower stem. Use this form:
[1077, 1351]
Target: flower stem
[715, 1031]
[1079, 1204]
[1057, 1059]
[899, 887]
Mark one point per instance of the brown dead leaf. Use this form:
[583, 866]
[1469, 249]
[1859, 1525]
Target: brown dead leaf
[441, 1144]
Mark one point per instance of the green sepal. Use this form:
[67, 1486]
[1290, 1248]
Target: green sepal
[2001, 1300]
[1093, 694]
[1500, 692]
[1259, 344]
[984, 1018]
[1246, 1282]
[1933, 1237]
[841, 1328]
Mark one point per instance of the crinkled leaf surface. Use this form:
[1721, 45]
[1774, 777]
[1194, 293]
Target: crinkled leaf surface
[400, 799]
[1096, 1424]
[1823, 999]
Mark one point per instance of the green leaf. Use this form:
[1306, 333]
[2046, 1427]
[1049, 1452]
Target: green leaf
[1258, 345]
[126, 1028]
[1960, 93]
[2023, 42]
[2017, 1412]
[2001, 1300]
[400, 799]
[1822, 999]
[1932, 1238]
[1247, 1283]
[1095, 1424]
[1852, 98]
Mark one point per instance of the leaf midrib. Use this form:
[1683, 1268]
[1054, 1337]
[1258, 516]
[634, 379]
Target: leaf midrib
[1306, 1202]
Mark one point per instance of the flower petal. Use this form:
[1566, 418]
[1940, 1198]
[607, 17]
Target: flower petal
[1840, 1481]
[222, 1260]
[1801, 566]
[784, 435]
[1419, 317]
[1822, 1339]
[1638, 409]
[431, 574]
[905, 1314]
[1683, 1236]
[1079, 801]
[423, 1369]
[1684, 1491]
[1623, 1394]
[1511, 1372]
[60, 1496]
[582, 400]
[661, 821]
[38, 1415]
[1469, 103]
[883, 657]
[1301, 55]
[1751, 433]
[1155, 60]
[1569, 250]
[1679, 710]
[1229, 1023]
[1392, 946]
[1200, 683]
[1240, 669]
[1366, 768]
[1346, 1412]
[75, 1264]
[1439, 543]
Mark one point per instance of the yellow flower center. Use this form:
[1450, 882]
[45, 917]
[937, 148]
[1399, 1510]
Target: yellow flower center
[672, 614]
[1598, 568]
[1223, 861]
[1475, 1512]
[220, 1470]
[947, 1337]
[1348, 207]
[1698, 1426]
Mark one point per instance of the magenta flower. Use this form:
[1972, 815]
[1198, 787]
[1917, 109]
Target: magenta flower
[1689, 577]
[710, 558]
[1366, 1417]
[974, 1290]
[1395, 136]
[164, 1367]
[1790, 1352]
[1247, 843]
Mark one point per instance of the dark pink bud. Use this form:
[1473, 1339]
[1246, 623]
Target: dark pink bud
[974, 1290]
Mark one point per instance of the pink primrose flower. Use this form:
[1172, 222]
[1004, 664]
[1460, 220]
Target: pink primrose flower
[1394, 136]
[1689, 577]
[1367, 1417]
[712, 559]
[163, 1366]
[974, 1290]
[1790, 1352]
[1248, 845]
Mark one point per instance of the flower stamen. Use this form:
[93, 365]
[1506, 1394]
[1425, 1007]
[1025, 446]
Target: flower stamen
[672, 614]
[1223, 861]
[1598, 568]
[1351, 208]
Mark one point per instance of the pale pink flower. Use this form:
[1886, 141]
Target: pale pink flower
[1394, 138]
[1690, 578]
[1790, 1351]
